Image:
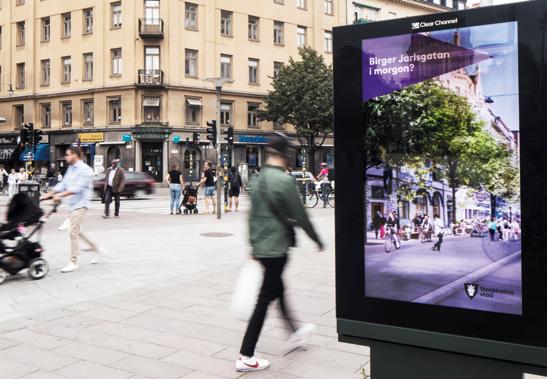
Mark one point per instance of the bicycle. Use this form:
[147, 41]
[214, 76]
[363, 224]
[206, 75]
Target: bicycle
[392, 240]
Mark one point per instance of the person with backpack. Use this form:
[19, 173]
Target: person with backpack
[235, 183]
[275, 210]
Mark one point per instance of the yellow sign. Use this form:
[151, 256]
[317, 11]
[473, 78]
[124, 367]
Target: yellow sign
[91, 137]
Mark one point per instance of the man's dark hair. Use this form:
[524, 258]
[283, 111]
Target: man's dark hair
[75, 150]
[233, 169]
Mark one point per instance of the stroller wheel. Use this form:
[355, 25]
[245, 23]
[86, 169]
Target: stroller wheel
[3, 275]
[186, 211]
[195, 211]
[38, 268]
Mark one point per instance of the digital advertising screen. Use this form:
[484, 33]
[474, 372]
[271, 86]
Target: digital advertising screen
[443, 217]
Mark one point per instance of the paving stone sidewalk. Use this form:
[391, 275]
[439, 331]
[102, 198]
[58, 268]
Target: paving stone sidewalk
[157, 313]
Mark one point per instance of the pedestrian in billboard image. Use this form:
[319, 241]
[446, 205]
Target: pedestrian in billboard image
[383, 222]
[114, 185]
[506, 229]
[208, 181]
[275, 211]
[377, 223]
[76, 186]
[492, 228]
[438, 230]
[174, 178]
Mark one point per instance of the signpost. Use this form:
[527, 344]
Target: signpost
[475, 308]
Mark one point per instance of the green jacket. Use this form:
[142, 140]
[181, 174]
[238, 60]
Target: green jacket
[269, 235]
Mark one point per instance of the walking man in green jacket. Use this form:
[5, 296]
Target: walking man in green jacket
[276, 209]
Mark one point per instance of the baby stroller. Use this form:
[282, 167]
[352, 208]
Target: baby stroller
[190, 199]
[18, 249]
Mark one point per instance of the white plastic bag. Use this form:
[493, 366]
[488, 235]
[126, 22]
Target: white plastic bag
[246, 290]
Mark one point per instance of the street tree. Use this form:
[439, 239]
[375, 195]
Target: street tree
[302, 96]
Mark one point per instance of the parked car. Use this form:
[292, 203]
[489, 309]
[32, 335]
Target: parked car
[137, 185]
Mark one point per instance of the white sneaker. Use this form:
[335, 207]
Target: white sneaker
[298, 338]
[70, 267]
[245, 364]
[97, 256]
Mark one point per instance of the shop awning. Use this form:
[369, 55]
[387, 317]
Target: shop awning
[41, 153]
[6, 152]
[194, 102]
[151, 101]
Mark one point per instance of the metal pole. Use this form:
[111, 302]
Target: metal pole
[218, 88]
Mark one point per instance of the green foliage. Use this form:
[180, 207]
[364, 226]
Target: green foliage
[302, 95]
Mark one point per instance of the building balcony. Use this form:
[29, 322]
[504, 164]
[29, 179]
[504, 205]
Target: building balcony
[150, 78]
[151, 28]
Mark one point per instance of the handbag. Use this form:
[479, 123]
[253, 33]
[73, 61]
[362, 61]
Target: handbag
[291, 233]
[246, 290]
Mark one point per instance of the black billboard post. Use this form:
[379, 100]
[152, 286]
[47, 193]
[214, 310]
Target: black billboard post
[451, 106]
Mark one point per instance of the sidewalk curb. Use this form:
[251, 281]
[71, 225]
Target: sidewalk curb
[441, 293]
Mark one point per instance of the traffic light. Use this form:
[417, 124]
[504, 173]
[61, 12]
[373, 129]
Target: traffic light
[195, 138]
[212, 132]
[27, 134]
[230, 135]
[37, 137]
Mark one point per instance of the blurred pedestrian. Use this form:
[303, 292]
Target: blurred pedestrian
[376, 223]
[438, 230]
[323, 178]
[114, 185]
[208, 181]
[506, 230]
[492, 227]
[12, 183]
[3, 179]
[275, 211]
[383, 222]
[174, 178]
[235, 183]
[77, 187]
[51, 180]
[22, 175]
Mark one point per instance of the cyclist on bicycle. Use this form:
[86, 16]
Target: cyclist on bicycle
[323, 178]
[393, 225]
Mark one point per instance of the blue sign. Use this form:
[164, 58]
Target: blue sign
[253, 139]
[176, 139]
[127, 138]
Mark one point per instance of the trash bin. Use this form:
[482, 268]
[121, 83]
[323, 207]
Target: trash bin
[31, 188]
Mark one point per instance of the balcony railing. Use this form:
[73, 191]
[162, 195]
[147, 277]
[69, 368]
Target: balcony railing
[150, 77]
[151, 27]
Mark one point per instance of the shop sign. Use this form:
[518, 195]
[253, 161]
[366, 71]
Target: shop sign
[91, 137]
[127, 138]
[8, 140]
[98, 163]
[151, 132]
[253, 139]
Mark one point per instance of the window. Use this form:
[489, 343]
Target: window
[449, 4]
[116, 10]
[226, 23]
[115, 110]
[21, 33]
[226, 113]
[327, 5]
[300, 36]
[67, 69]
[88, 20]
[46, 72]
[193, 111]
[88, 66]
[152, 60]
[301, 4]
[191, 16]
[116, 55]
[19, 111]
[252, 115]
[365, 13]
[226, 66]
[151, 105]
[278, 32]
[253, 71]
[253, 28]
[20, 2]
[328, 42]
[87, 112]
[67, 25]
[45, 112]
[152, 12]
[277, 69]
[66, 112]
[46, 29]
[191, 63]
[20, 75]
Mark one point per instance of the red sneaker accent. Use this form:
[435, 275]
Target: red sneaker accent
[251, 366]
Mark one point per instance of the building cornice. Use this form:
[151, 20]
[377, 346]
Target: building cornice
[423, 5]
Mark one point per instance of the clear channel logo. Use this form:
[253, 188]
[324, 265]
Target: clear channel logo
[425, 24]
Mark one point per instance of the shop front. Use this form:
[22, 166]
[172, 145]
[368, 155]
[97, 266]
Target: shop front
[9, 157]
[59, 142]
[152, 149]
[249, 149]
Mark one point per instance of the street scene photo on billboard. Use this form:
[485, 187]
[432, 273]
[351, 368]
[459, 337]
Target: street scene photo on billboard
[442, 201]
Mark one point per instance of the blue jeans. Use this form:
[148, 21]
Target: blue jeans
[175, 191]
[210, 191]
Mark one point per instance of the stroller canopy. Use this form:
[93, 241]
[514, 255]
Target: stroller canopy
[22, 210]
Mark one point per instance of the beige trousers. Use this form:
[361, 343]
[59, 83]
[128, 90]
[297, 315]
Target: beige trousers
[76, 220]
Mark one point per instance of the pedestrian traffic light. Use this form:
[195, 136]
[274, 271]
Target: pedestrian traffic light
[230, 135]
[212, 132]
[36, 137]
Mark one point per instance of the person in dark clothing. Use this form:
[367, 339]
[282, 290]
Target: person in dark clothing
[208, 181]
[174, 178]
[235, 182]
[275, 210]
[51, 177]
[114, 185]
[376, 223]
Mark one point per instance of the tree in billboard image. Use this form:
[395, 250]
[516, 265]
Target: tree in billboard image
[442, 169]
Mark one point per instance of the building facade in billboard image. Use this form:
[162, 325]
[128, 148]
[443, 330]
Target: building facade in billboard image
[443, 218]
